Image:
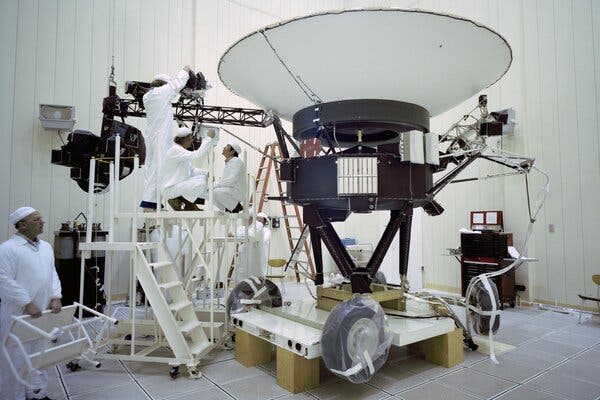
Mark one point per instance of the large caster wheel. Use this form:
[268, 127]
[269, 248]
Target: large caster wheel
[252, 292]
[356, 339]
[481, 299]
[174, 372]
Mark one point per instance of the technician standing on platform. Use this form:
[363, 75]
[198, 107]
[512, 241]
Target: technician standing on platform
[28, 285]
[229, 192]
[159, 114]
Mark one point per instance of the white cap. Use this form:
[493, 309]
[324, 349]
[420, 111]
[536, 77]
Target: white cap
[236, 147]
[162, 77]
[19, 214]
[182, 132]
[262, 215]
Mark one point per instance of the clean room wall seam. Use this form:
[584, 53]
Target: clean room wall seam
[558, 118]
[576, 99]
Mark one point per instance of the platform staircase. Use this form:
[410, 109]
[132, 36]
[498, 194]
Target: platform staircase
[171, 305]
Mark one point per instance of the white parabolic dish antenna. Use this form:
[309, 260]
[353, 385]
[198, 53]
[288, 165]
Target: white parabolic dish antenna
[421, 57]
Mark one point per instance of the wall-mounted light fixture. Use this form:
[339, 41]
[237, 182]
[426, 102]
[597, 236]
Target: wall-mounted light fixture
[57, 117]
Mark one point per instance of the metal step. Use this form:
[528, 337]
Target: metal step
[200, 347]
[160, 264]
[176, 307]
[187, 327]
[170, 285]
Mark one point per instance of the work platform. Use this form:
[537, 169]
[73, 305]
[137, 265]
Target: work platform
[296, 329]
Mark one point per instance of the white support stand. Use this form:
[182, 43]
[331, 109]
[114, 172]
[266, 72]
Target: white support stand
[172, 284]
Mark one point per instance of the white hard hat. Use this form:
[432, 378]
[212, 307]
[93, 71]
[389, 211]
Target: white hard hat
[236, 147]
[162, 77]
[182, 132]
[262, 215]
[19, 214]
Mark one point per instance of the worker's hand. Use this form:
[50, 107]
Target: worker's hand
[33, 310]
[211, 133]
[55, 305]
[187, 68]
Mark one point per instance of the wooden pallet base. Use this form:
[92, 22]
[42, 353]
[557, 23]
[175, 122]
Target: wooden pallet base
[327, 298]
[250, 350]
[296, 373]
[445, 350]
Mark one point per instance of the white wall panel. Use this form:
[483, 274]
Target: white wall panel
[8, 30]
[586, 23]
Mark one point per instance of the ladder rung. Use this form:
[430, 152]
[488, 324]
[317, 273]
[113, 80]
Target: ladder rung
[170, 285]
[187, 327]
[175, 307]
[160, 264]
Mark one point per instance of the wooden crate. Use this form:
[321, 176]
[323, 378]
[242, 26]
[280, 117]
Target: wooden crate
[327, 298]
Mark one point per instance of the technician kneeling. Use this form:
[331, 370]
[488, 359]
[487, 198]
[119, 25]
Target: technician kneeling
[28, 284]
[182, 183]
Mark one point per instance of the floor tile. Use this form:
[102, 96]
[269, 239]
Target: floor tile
[162, 386]
[394, 378]
[581, 370]
[532, 357]
[565, 386]
[592, 356]
[550, 323]
[210, 393]
[131, 391]
[262, 386]
[526, 393]
[344, 390]
[560, 349]
[515, 336]
[591, 330]
[424, 368]
[217, 355]
[85, 381]
[146, 369]
[434, 390]
[475, 383]
[229, 371]
[571, 338]
[297, 396]
[508, 369]
[472, 357]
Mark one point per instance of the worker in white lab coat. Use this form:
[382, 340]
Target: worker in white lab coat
[29, 284]
[182, 183]
[230, 190]
[158, 138]
[250, 254]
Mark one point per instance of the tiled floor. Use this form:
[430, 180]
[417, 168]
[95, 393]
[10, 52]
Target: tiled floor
[554, 358]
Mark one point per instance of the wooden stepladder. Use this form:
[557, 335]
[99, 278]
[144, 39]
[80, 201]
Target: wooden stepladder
[300, 257]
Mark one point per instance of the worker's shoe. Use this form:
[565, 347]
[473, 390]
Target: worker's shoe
[176, 203]
[236, 210]
[189, 206]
